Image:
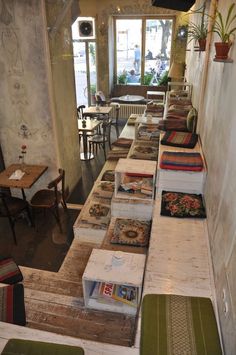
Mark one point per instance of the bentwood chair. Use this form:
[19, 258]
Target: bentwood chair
[80, 112]
[101, 99]
[115, 121]
[11, 208]
[51, 197]
[100, 140]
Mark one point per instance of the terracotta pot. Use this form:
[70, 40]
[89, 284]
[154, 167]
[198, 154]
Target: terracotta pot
[222, 50]
[202, 44]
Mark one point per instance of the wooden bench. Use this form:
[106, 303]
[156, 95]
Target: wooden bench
[173, 324]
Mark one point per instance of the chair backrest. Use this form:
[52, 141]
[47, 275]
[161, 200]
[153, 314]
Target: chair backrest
[100, 98]
[106, 129]
[4, 210]
[80, 111]
[54, 184]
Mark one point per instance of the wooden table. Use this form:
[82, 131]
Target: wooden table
[86, 126]
[32, 174]
[97, 110]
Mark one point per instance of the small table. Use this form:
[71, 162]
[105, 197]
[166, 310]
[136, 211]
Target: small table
[32, 174]
[86, 126]
[131, 98]
[97, 110]
[101, 267]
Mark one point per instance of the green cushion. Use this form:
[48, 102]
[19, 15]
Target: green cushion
[192, 120]
[29, 347]
[172, 324]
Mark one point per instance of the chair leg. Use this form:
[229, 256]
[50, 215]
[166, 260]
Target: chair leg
[31, 218]
[57, 216]
[63, 202]
[12, 225]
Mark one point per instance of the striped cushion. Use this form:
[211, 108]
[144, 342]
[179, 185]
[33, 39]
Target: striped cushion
[181, 161]
[12, 306]
[9, 272]
[180, 139]
[173, 324]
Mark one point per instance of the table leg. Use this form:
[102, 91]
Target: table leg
[85, 155]
[23, 194]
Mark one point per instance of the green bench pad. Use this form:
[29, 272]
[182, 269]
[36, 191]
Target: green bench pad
[29, 347]
[177, 325]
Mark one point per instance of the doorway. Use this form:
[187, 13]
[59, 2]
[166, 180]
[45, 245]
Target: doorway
[84, 49]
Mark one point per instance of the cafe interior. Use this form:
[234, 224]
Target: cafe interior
[117, 177]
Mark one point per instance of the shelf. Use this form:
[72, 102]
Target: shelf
[229, 60]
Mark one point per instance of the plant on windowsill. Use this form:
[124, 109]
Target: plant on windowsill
[147, 78]
[223, 27]
[122, 79]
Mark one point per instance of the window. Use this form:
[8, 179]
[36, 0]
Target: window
[143, 49]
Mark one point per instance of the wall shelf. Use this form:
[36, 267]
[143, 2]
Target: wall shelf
[229, 60]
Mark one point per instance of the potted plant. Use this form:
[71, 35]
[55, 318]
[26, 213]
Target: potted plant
[225, 30]
[198, 32]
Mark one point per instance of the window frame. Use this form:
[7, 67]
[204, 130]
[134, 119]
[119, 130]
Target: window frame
[143, 39]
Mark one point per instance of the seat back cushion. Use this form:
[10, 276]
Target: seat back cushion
[30, 347]
[9, 271]
[173, 324]
[191, 120]
[12, 305]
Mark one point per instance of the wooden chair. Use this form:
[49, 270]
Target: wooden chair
[101, 99]
[11, 208]
[99, 140]
[51, 197]
[115, 121]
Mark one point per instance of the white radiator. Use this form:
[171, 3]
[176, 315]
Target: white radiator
[126, 110]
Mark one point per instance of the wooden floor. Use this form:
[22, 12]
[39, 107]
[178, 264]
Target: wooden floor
[178, 262]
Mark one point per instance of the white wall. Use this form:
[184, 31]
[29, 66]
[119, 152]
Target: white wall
[217, 128]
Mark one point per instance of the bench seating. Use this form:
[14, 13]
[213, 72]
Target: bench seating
[172, 324]
[29, 347]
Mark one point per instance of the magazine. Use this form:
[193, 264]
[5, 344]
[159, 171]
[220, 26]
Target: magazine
[122, 293]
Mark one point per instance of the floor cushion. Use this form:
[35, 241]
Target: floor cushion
[176, 124]
[181, 161]
[172, 324]
[12, 305]
[9, 272]
[179, 139]
[29, 347]
[182, 205]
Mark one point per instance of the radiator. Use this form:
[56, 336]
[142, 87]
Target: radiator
[126, 110]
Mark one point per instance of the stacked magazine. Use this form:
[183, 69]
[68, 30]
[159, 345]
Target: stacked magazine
[106, 292]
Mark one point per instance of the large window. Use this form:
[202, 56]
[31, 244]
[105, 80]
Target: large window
[143, 50]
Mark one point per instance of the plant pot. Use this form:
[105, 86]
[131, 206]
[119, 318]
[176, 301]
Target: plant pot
[222, 50]
[202, 44]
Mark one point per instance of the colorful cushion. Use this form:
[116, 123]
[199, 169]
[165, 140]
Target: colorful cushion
[109, 175]
[181, 161]
[182, 205]
[9, 272]
[12, 306]
[173, 125]
[131, 232]
[172, 324]
[29, 347]
[191, 120]
[123, 142]
[180, 139]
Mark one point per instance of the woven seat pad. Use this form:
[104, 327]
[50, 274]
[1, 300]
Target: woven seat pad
[9, 272]
[12, 306]
[180, 139]
[29, 347]
[181, 161]
[178, 325]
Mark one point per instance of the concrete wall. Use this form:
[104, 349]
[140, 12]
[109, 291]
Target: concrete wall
[103, 11]
[214, 86]
[29, 113]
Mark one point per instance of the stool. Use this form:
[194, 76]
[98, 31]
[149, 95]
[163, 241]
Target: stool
[30, 347]
[12, 305]
[178, 325]
[9, 271]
